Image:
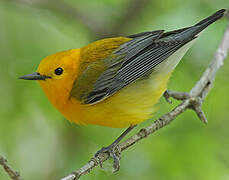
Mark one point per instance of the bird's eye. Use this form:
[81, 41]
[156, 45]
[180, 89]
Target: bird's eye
[58, 71]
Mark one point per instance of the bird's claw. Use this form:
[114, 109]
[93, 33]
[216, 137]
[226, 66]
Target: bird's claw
[114, 152]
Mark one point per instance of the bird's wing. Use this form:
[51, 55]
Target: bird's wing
[135, 58]
[101, 60]
[131, 61]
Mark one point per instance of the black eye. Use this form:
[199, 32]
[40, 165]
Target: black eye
[58, 71]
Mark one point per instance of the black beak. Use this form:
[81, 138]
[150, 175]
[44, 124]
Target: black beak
[34, 76]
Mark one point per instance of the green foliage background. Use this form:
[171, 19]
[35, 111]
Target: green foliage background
[40, 144]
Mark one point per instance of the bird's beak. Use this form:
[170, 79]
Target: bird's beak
[34, 76]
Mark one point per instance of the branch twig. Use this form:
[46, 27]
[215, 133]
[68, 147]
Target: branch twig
[193, 100]
[14, 175]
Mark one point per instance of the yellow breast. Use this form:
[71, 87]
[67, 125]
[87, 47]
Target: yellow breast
[130, 106]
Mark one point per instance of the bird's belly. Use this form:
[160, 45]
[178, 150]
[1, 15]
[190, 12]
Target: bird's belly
[130, 106]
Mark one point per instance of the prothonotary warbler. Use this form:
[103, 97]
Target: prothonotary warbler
[115, 82]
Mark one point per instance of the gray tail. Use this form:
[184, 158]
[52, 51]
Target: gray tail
[190, 33]
[209, 20]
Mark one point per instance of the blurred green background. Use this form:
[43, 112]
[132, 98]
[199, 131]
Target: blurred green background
[41, 144]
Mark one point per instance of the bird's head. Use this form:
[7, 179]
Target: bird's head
[56, 75]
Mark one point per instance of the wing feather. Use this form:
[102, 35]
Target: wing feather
[138, 58]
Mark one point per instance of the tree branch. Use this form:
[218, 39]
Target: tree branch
[193, 100]
[12, 174]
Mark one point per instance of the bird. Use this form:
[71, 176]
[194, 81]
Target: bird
[116, 82]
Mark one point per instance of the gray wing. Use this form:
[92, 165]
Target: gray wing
[133, 60]
[139, 56]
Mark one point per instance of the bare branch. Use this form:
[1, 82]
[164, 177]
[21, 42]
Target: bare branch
[193, 100]
[12, 174]
[176, 95]
[196, 105]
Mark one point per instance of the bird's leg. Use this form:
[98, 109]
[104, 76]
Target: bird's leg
[112, 149]
[176, 95]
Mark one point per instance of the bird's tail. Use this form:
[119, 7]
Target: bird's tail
[189, 33]
[209, 20]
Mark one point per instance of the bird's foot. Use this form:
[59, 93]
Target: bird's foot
[114, 152]
[176, 95]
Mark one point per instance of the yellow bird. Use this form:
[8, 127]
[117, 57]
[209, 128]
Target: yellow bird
[115, 82]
